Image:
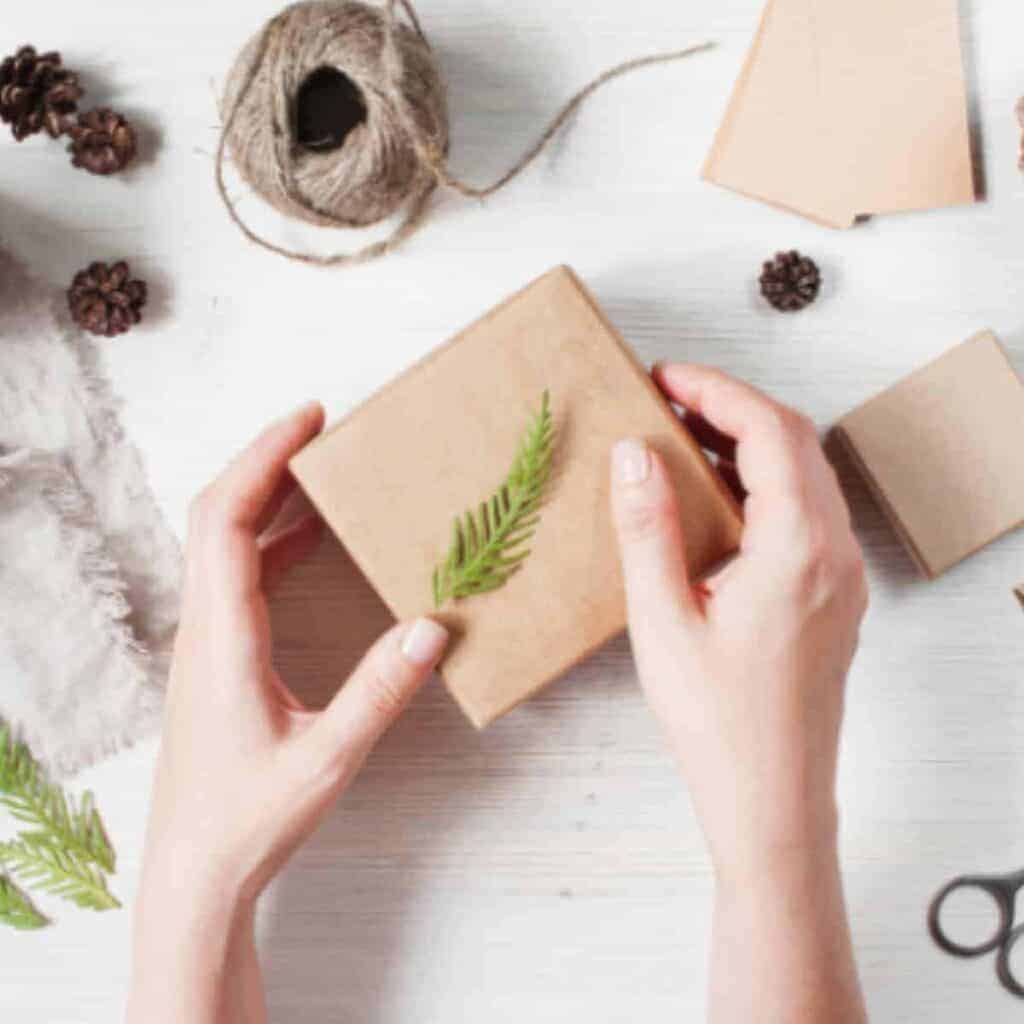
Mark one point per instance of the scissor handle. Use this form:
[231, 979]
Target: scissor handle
[1006, 978]
[1002, 890]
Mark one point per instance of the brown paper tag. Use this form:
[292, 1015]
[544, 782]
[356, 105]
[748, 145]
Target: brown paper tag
[844, 109]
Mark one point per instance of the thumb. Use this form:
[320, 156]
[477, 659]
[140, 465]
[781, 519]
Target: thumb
[376, 693]
[646, 515]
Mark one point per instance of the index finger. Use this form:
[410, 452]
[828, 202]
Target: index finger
[244, 494]
[794, 502]
[769, 462]
[230, 513]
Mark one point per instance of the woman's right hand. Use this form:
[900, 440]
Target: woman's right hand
[747, 670]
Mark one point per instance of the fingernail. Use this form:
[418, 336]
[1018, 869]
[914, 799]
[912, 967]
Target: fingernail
[425, 642]
[632, 461]
[306, 409]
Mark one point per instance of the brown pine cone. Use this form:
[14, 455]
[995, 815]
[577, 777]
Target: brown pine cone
[105, 300]
[37, 93]
[102, 141]
[790, 281]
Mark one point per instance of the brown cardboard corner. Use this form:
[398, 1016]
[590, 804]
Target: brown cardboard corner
[884, 504]
[674, 422]
[725, 126]
[367, 404]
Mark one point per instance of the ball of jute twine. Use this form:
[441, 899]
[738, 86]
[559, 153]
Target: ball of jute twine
[395, 156]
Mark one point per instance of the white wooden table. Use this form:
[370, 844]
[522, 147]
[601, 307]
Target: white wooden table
[549, 870]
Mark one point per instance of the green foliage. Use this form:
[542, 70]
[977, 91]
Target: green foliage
[16, 908]
[488, 547]
[61, 872]
[63, 851]
[53, 816]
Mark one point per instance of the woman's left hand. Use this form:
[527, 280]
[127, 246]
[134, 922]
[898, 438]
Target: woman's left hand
[245, 771]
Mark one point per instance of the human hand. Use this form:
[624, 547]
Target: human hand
[746, 671]
[245, 771]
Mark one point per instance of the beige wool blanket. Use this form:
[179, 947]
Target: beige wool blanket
[88, 568]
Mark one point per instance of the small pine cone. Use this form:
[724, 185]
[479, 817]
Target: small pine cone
[102, 142]
[106, 300]
[37, 93]
[790, 281]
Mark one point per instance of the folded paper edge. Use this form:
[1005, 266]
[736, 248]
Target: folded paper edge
[889, 511]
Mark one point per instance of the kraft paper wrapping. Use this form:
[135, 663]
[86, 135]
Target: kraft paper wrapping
[390, 477]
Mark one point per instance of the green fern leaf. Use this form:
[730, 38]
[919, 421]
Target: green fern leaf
[487, 547]
[52, 815]
[61, 872]
[16, 909]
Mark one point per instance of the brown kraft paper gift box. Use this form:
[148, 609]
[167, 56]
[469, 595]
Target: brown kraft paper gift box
[391, 476]
[941, 452]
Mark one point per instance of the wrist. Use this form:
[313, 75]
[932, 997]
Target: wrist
[798, 889]
[188, 933]
[182, 912]
[804, 848]
[782, 939]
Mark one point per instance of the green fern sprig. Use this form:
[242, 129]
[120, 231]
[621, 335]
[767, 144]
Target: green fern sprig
[16, 909]
[488, 547]
[53, 815]
[60, 872]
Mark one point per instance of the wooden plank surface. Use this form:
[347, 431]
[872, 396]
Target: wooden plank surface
[549, 869]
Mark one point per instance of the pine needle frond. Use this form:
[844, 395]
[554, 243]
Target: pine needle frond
[16, 909]
[51, 814]
[487, 546]
[61, 872]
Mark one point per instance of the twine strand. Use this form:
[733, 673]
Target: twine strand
[440, 167]
[270, 64]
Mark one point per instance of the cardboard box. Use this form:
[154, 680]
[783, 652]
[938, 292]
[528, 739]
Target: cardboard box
[844, 109]
[391, 476]
[941, 450]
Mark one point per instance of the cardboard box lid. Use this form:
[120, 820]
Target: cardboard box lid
[391, 476]
[941, 451]
[844, 109]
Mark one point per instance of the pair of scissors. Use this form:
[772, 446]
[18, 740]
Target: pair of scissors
[1002, 889]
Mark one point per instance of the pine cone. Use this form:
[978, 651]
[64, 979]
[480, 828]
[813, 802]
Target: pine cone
[102, 141]
[36, 92]
[790, 281]
[105, 300]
